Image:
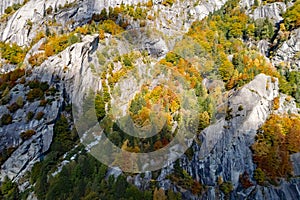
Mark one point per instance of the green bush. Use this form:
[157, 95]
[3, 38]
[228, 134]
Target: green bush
[8, 10]
[260, 176]
[13, 53]
[292, 16]
[226, 187]
[34, 94]
[9, 190]
[20, 101]
[29, 116]
[6, 119]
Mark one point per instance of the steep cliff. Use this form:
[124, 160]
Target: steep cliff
[221, 152]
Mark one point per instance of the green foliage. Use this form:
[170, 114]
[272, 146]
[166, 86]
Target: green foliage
[83, 178]
[259, 176]
[6, 119]
[127, 61]
[290, 85]
[57, 43]
[172, 58]
[292, 16]
[184, 180]
[35, 94]
[264, 29]
[8, 10]
[29, 116]
[137, 104]
[100, 107]
[226, 187]
[64, 138]
[5, 154]
[37, 91]
[101, 58]
[219, 36]
[12, 53]
[7, 82]
[9, 190]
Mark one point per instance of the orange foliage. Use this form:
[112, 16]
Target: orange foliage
[279, 138]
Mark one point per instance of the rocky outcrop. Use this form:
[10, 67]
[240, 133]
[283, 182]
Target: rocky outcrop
[52, 71]
[295, 158]
[225, 151]
[247, 4]
[288, 53]
[35, 16]
[225, 145]
[271, 11]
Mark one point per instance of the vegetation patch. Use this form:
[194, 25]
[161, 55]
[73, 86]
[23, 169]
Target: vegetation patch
[27, 134]
[276, 140]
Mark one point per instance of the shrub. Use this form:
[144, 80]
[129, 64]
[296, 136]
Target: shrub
[4, 155]
[292, 16]
[34, 94]
[56, 44]
[6, 119]
[37, 59]
[43, 102]
[260, 176]
[13, 53]
[27, 134]
[276, 140]
[20, 101]
[29, 116]
[8, 10]
[13, 107]
[110, 27]
[39, 115]
[226, 187]
[240, 108]
[127, 61]
[101, 58]
[276, 103]
[245, 180]
[49, 10]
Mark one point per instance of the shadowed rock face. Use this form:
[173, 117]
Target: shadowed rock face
[52, 72]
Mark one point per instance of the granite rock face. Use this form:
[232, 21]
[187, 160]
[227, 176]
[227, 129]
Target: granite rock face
[225, 145]
[34, 16]
[54, 72]
[288, 52]
[272, 11]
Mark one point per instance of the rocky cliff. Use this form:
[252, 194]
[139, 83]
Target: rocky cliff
[223, 151]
